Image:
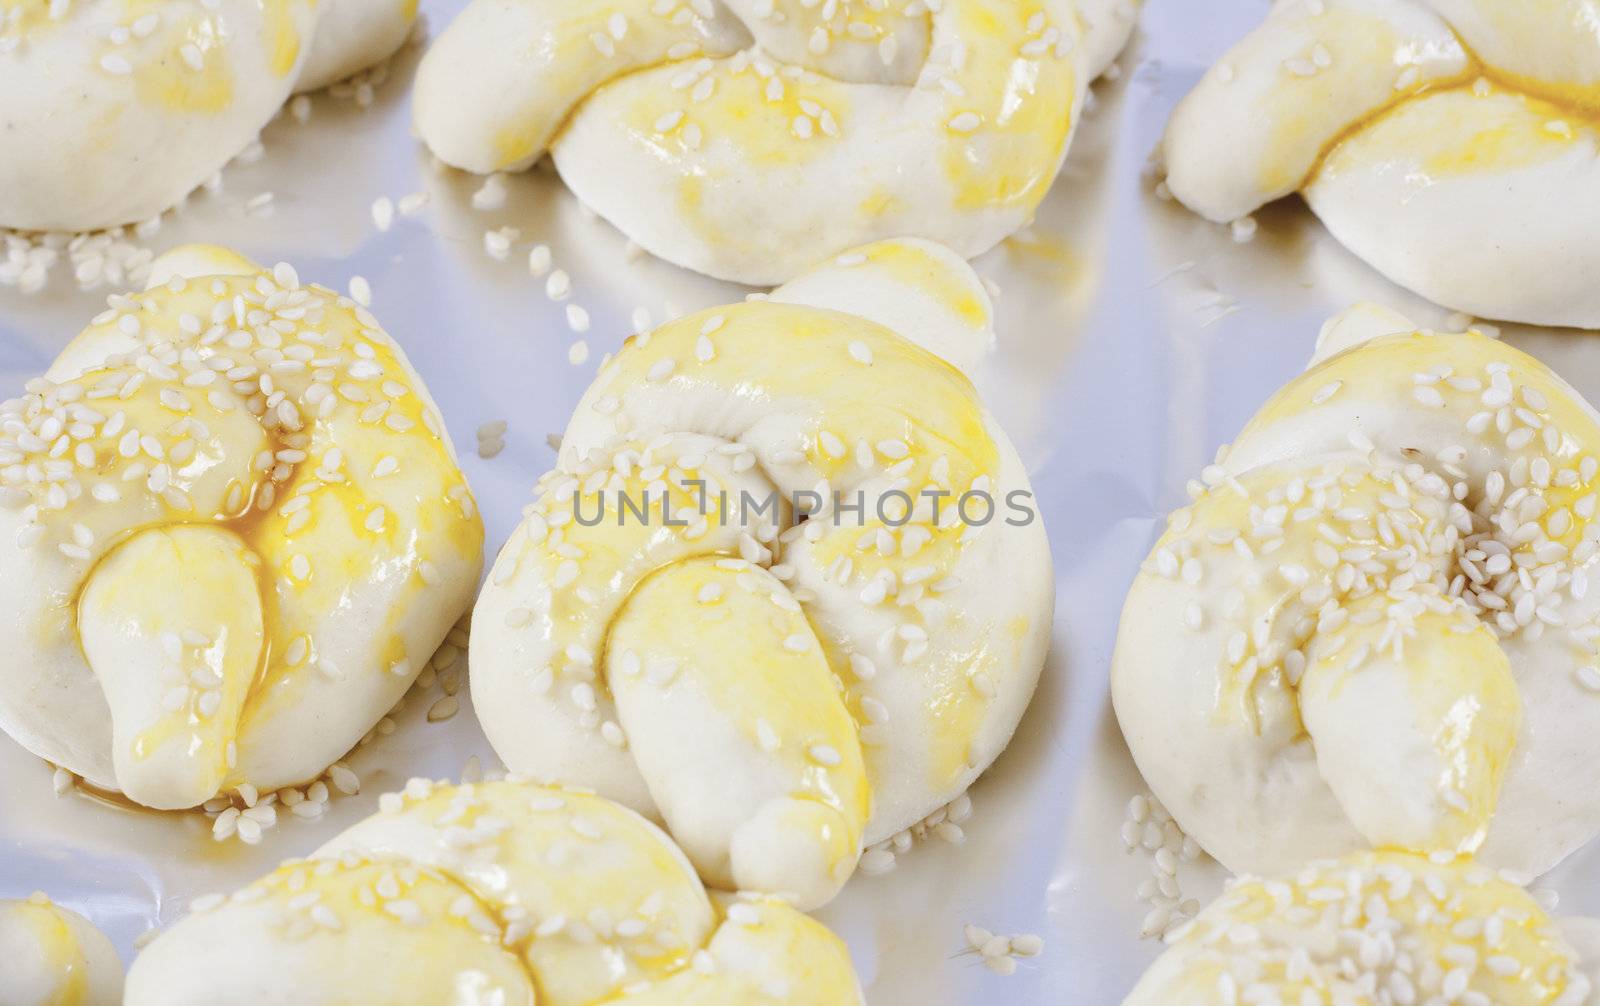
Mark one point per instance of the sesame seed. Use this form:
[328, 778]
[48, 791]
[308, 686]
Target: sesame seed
[383, 213]
[823, 754]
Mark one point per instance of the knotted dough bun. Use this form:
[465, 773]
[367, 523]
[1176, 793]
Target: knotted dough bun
[1452, 144]
[1373, 625]
[116, 110]
[778, 692]
[503, 893]
[232, 531]
[750, 139]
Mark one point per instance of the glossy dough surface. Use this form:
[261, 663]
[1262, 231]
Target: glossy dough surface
[54, 957]
[499, 892]
[751, 139]
[1450, 143]
[232, 531]
[779, 693]
[1373, 626]
[115, 110]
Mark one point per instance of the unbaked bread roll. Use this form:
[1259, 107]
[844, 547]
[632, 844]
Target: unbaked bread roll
[1373, 625]
[778, 692]
[503, 893]
[51, 956]
[232, 531]
[1452, 144]
[750, 139]
[114, 112]
[1372, 928]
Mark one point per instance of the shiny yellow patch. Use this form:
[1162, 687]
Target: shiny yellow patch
[211, 587]
[1459, 132]
[913, 267]
[768, 129]
[1383, 369]
[612, 862]
[935, 412]
[283, 37]
[571, 70]
[439, 961]
[59, 949]
[1305, 125]
[732, 652]
[1466, 703]
[1023, 107]
[170, 82]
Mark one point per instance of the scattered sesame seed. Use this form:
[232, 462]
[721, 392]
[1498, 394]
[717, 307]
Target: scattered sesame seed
[383, 213]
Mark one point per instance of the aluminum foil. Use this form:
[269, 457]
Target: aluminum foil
[1134, 339]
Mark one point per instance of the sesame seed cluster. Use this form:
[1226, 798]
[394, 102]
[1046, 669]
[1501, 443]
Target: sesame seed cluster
[1377, 927]
[218, 505]
[857, 662]
[977, 100]
[526, 888]
[1464, 116]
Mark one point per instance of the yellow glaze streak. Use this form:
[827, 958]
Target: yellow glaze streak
[913, 267]
[376, 951]
[1556, 36]
[283, 37]
[1024, 105]
[1488, 118]
[1465, 130]
[957, 683]
[1305, 124]
[572, 68]
[1465, 702]
[170, 82]
[813, 964]
[564, 854]
[1384, 369]
[210, 589]
[935, 410]
[740, 110]
[731, 652]
[58, 948]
